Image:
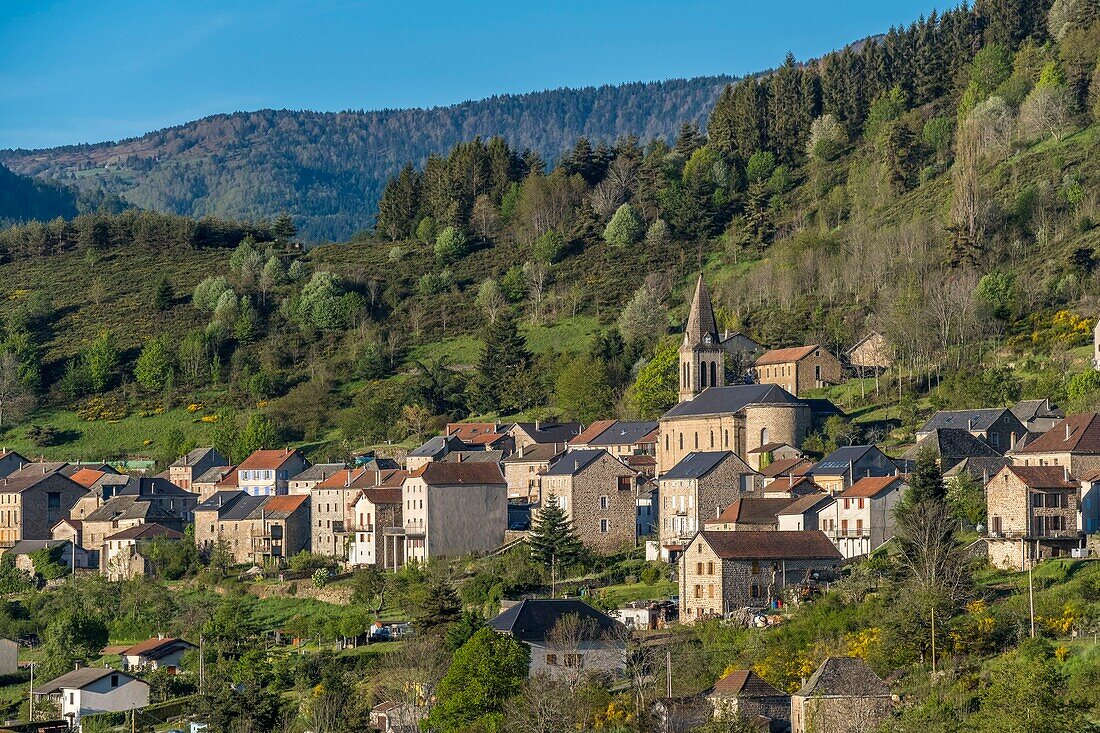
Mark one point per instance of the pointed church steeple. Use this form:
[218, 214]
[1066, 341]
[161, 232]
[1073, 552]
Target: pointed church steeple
[702, 358]
[701, 323]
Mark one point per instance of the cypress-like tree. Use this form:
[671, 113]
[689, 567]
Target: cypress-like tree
[926, 481]
[163, 295]
[552, 540]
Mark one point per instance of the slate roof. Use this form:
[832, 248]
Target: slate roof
[844, 677]
[473, 456]
[616, 432]
[540, 452]
[574, 461]
[78, 678]
[743, 683]
[700, 322]
[150, 486]
[752, 510]
[26, 547]
[869, 487]
[771, 545]
[442, 474]
[145, 532]
[156, 648]
[803, 504]
[982, 419]
[129, 507]
[1042, 477]
[696, 464]
[220, 501]
[841, 459]
[786, 356]
[1026, 410]
[37, 470]
[205, 457]
[435, 445]
[734, 398]
[981, 469]
[549, 432]
[242, 508]
[1078, 433]
[465, 431]
[17, 484]
[213, 475]
[532, 619]
[318, 472]
[952, 443]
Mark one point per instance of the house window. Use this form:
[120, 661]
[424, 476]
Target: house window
[551, 660]
[710, 568]
[681, 441]
[995, 438]
[698, 568]
[754, 591]
[710, 591]
[603, 526]
[698, 591]
[861, 503]
[666, 441]
[697, 441]
[604, 503]
[114, 680]
[625, 484]
[575, 661]
[72, 698]
[711, 438]
[756, 567]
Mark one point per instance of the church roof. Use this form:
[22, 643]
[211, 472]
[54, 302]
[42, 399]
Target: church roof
[700, 320]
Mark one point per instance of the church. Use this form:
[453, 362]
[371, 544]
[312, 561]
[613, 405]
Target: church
[714, 416]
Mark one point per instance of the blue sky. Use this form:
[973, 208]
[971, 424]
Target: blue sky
[94, 70]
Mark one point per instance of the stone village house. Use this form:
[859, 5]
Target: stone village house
[598, 493]
[1032, 513]
[723, 571]
[698, 488]
[798, 369]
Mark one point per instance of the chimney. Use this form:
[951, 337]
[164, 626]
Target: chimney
[521, 450]
[460, 456]
[1065, 472]
[1067, 431]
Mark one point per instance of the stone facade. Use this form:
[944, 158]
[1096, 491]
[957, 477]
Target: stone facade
[702, 357]
[688, 502]
[1032, 514]
[807, 368]
[331, 515]
[30, 507]
[712, 586]
[829, 714]
[600, 500]
[374, 513]
[740, 432]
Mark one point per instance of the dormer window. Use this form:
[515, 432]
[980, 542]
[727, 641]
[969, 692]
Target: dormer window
[707, 339]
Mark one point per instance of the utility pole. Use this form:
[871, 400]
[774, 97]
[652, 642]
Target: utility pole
[1031, 596]
[553, 575]
[668, 670]
[31, 698]
[202, 666]
[933, 640]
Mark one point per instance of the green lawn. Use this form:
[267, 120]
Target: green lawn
[97, 440]
[624, 593]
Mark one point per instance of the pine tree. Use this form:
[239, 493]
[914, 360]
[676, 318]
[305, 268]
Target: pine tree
[551, 538]
[688, 140]
[504, 363]
[163, 295]
[926, 481]
[283, 228]
[438, 605]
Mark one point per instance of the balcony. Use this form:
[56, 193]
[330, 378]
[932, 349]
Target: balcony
[414, 528]
[841, 534]
[1046, 534]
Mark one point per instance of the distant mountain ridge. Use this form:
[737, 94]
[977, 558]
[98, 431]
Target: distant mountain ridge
[23, 198]
[328, 168]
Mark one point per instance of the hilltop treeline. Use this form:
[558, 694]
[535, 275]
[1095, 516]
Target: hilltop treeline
[33, 199]
[329, 168]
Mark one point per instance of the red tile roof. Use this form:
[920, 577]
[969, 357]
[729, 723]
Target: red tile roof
[771, 545]
[752, 510]
[869, 486]
[288, 503]
[266, 459]
[86, 477]
[1078, 433]
[1042, 477]
[744, 683]
[590, 433]
[229, 480]
[786, 356]
[783, 466]
[468, 431]
[363, 478]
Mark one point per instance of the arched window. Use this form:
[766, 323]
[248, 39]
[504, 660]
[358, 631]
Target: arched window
[726, 439]
[763, 435]
[711, 438]
[702, 375]
[666, 441]
[696, 441]
[714, 374]
[681, 441]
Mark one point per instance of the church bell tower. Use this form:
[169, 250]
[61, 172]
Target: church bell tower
[702, 358]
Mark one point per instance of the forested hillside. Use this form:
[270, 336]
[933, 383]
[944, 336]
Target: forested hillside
[23, 198]
[328, 169]
[940, 185]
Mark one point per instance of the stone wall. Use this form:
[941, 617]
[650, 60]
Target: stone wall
[701, 582]
[838, 714]
[775, 423]
[682, 435]
[617, 514]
